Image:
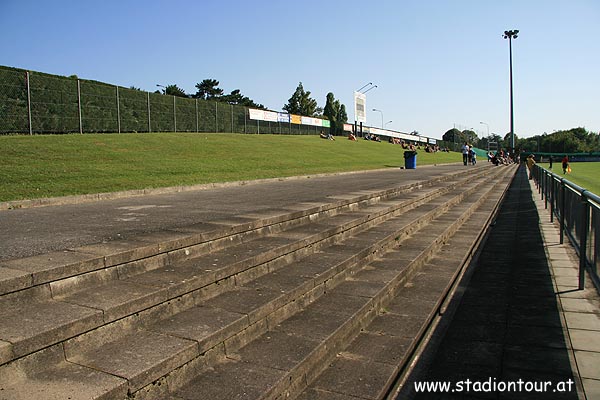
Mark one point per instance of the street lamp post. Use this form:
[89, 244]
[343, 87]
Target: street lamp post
[510, 35]
[381, 116]
[488, 127]
[389, 122]
[162, 86]
[488, 133]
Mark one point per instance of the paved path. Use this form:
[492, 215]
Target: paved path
[521, 318]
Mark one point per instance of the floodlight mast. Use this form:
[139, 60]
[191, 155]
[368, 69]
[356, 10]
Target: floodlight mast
[368, 84]
[372, 87]
[510, 35]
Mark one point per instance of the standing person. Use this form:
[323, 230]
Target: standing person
[565, 163]
[530, 164]
[465, 153]
[473, 156]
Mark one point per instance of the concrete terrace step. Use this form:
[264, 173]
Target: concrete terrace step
[200, 317]
[129, 288]
[285, 358]
[381, 352]
[20, 274]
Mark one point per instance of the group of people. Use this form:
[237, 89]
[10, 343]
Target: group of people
[566, 166]
[468, 154]
[373, 137]
[499, 158]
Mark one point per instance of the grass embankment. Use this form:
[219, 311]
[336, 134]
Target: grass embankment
[59, 165]
[584, 174]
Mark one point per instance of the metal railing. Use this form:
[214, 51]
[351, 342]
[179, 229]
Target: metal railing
[578, 212]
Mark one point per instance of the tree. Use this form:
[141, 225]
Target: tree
[506, 141]
[237, 98]
[453, 135]
[174, 90]
[208, 90]
[301, 103]
[335, 113]
[331, 110]
[343, 115]
[470, 136]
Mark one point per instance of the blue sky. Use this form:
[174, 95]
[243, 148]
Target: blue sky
[437, 64]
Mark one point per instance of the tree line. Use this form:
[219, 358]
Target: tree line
[575, 140]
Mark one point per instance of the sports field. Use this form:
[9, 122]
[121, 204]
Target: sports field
[584, 174]
[58, 165]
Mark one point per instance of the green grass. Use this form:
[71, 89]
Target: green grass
[584, 174]
[58, 165]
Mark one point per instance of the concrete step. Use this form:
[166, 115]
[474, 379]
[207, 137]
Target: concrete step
[382, 351]
[280, 362]
[126, 289]
[252, 307]
[184, 243]
[233, 318]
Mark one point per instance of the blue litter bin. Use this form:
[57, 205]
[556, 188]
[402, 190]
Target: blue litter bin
[410, 159]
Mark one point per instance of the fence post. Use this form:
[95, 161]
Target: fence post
[174, 115]
[545, 190]
[197, 126]
[585, 224]
[231, 118]
[79, 105]
[216, 117]
[553, 199]
[118, 111]
[149, 126]
[29, 102]
[245, 119]
[562, 210]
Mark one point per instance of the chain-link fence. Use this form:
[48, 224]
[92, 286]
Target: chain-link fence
[39, 103]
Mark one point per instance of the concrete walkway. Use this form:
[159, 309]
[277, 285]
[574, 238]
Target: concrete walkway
[580, 314]
[520, 319]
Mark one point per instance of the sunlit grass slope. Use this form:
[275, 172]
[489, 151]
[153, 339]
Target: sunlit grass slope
[59, 165]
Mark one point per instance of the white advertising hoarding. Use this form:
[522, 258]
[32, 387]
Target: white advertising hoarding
[271, 116]
[256, 114]
[360, 107]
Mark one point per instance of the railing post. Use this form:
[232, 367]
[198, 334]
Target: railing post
[562, 210]
[585, 224]
[553, 199]
[174, 115]
[546, 189]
